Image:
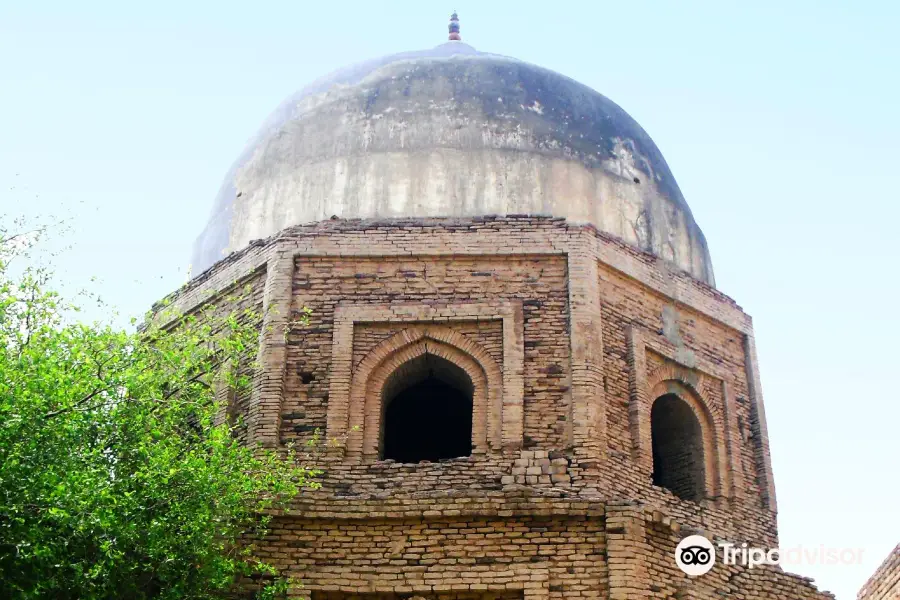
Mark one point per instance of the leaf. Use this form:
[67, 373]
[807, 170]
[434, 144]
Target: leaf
[117, 479]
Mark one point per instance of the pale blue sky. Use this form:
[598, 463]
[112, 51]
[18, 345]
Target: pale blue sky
[779, 120]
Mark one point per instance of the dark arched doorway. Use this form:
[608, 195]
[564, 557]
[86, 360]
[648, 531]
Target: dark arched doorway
[427, 411]
[678, 462]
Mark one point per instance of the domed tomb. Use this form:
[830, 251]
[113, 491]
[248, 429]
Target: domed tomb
[453, 132]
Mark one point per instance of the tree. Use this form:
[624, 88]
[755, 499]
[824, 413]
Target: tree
[119, 477]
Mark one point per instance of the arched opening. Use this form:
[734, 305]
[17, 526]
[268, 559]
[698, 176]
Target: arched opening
[427, 411]
[677, 439]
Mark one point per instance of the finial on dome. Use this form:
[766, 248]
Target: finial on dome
[454, 28]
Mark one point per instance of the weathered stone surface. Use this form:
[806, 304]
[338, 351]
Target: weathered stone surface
[453, 132]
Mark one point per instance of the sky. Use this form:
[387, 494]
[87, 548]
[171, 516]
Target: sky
[779, 120]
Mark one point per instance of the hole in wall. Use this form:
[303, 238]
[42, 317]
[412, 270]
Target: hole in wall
[427, 411]
[677, 440]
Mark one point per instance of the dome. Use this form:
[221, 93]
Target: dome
[453, 132]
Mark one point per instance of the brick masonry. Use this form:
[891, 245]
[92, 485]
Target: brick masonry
[885, 582]
[568, 337]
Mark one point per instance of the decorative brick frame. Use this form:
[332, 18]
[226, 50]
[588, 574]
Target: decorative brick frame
[718, 424]
[353, 392]
[370, 376]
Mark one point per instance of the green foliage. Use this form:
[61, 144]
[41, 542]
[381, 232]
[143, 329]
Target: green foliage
[119, 476]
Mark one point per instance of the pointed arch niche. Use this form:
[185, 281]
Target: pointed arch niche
[676, 390]
[426, 349]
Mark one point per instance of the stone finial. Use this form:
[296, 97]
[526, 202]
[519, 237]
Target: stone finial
[454, 28]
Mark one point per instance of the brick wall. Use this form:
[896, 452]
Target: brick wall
[430, 596]
[568, 337]
[539, 282]
[885, 582]
[242, 297]
[528, 555]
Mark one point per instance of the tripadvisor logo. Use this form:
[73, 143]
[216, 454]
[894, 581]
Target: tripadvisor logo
[695, 555]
